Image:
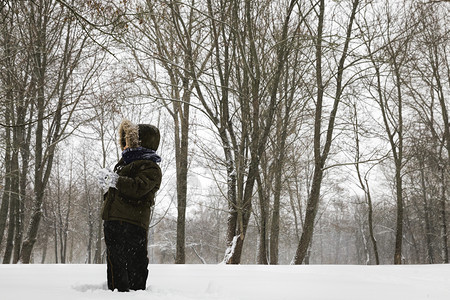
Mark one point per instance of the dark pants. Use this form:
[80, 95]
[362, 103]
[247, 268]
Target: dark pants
[127, 261]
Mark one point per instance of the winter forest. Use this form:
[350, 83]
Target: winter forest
[293, 131]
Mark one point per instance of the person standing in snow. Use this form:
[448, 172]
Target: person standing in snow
[131, 189]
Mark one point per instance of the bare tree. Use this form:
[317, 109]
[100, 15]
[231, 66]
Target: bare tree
[438, 41]
[50, 48]
[428, 90]
[171, 36]
[364, 184]
[389, 96]
[321, 152]
[16, 79]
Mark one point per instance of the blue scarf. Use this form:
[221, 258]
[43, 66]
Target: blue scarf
[131, 154]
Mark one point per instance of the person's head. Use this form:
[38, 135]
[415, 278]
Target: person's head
[140, 135]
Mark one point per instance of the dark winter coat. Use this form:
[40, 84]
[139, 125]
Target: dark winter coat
[138, 181]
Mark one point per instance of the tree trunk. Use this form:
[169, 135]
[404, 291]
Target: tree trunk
[6, 190]
[65, 225]
[22, 137]
[398, 158]
[24, 145]
[181, 204]
[98, 244]
[426, 209]
[181, 142]
[10, 237]
[278, 175]
[311, 211]
[263, 223]
[99, 231]
[14, 200]
[443, 220]
[45, 247]
[371, 231]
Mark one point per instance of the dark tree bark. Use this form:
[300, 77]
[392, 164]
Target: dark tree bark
[443, 220]
[6, 189]
[263, 223]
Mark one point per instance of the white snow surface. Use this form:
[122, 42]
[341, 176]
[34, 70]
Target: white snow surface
[220, 282]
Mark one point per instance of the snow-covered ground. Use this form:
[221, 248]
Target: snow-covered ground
[220, 282]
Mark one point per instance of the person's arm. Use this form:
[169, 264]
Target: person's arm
[146, 180]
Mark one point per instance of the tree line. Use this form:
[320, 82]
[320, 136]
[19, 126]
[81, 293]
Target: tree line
[294, 131]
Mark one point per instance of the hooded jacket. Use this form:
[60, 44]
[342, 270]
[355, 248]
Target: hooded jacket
[138, 181]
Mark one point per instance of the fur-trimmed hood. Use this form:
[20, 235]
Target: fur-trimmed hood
[140, 135]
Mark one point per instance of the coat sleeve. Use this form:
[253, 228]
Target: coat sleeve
[147, 179]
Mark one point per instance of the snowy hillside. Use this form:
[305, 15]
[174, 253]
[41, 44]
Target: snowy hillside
[222, 282]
